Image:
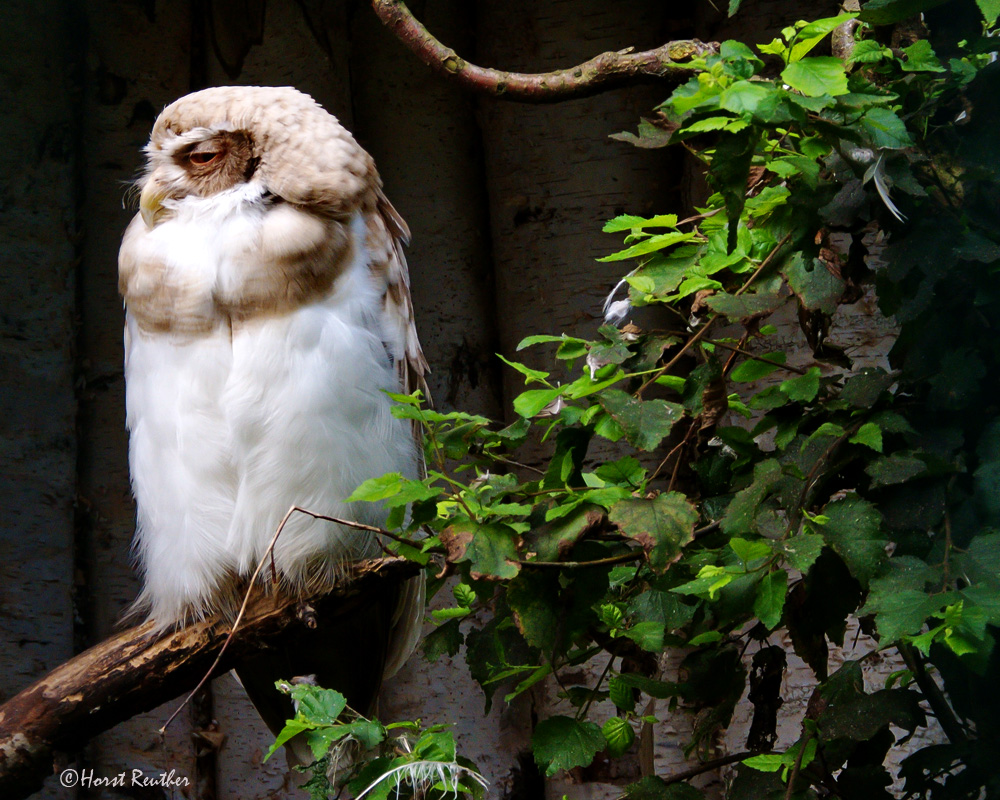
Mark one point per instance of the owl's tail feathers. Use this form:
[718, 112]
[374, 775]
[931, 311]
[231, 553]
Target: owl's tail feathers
[407, 623]
[348, 653]
[351, 654]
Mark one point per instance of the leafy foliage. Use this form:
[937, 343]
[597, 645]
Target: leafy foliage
[753, 493]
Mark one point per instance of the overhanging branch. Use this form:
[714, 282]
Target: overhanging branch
[599, 74]
[135, 671]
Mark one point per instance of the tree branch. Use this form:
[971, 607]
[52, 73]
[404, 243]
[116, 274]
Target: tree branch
[599, 74]
[135, 671]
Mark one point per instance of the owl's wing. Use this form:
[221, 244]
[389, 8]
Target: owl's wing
[387, 233]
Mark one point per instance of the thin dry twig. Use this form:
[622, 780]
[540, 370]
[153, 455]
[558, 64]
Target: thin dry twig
[601, 73]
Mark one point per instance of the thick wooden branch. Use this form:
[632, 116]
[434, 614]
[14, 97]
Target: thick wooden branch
[599, 74]
[135, 671]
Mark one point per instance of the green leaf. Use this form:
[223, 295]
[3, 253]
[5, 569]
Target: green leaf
[886, 12]
[530, 374]
[866, 387]
[644, 422]
[619, 735]
[380, 488]
[920, 56]
[755, 369]
[870, 435]
[652, 787]
[899, 600]
[854, 531]
[804, 388]
[316, 704]
[662, 525]
[489, 550]
[534, 598]
[801, 551]
[812, 34]
[817, 75]
[621, 694]
[563, 743]
[554, 540]
[529, 403]
[650, 245]
[742, 510]
[748, 551]
[895, 468]
[444, 640]
[990, 10]
[816, 287]
[660, 690]
[767, 762]
[886, 129]
[770, 600]
[648, 635]
[627, 222]
[743, 97]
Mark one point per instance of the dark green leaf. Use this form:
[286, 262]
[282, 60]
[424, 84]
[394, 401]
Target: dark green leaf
[854, 531]
[886, 12]
[563, 743]
[662, 525]
[534, 598]
[886, 129]
[554, 540]
[770, 600]
[817, 288]
[489, 550]
[644, 422]
[895, 468]
[652, 787]
[744, 306]
[804, 388]
[445, 640]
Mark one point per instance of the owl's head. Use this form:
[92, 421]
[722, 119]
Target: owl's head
[222, 138]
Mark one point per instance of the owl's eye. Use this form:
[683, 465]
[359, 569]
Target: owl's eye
[203, 157]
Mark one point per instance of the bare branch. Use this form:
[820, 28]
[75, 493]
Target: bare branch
[599, 74]
[135, 671]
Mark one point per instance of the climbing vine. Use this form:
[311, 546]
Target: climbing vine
[754, 497]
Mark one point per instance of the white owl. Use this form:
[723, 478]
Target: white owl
[267, 310]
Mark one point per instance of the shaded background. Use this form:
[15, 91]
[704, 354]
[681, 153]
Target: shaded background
[505, 202]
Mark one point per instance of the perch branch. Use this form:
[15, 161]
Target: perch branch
[599, 74]
[137, 670]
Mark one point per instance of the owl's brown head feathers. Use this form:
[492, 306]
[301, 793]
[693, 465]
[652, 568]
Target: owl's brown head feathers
[276, 136]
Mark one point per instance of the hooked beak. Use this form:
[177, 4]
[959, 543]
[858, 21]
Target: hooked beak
[151, 201]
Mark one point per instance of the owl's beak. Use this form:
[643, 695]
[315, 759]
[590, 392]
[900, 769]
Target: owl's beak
[151, 201]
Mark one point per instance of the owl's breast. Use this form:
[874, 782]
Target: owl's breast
[229, 258]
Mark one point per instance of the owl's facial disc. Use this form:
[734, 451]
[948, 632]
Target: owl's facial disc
[219, 162]
[200, 163]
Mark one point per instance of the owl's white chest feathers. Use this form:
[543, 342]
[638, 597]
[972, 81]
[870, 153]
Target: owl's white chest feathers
[233, 422]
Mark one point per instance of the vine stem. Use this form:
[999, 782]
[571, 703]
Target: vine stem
[708, 766]
[708, 324]
[796, 767]
[935, 697]
[748, 354]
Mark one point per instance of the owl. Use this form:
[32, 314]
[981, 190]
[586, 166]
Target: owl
[267, 313]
